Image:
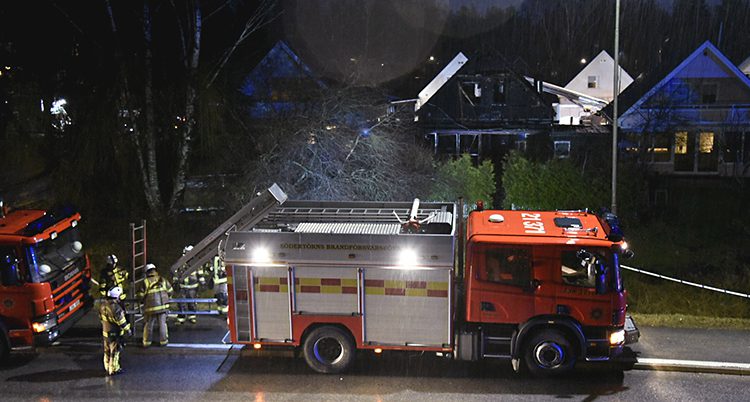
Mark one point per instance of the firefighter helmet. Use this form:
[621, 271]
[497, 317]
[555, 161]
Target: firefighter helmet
[112, 260]
[187, 249]
[150, 268]
[115, 292]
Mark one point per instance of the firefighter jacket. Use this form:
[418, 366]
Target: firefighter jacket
[154, 293]
[219, 271]
[114, 323]
[190, 281]
[111, 277]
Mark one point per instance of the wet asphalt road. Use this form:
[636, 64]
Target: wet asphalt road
[73, 371]
[163, 374]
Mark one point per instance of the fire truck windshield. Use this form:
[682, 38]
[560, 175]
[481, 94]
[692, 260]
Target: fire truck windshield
[50, 257]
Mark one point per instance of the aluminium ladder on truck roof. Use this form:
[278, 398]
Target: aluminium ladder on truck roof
[296, 212]
[243, 219]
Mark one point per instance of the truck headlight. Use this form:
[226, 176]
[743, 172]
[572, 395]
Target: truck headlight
[617, 337]
[45, 324]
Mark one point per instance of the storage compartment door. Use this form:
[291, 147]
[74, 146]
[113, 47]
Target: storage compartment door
[407, 307]
[271, 304]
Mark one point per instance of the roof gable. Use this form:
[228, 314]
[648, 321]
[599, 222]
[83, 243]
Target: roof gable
[280, 64]
[602, 68]
[705, 62]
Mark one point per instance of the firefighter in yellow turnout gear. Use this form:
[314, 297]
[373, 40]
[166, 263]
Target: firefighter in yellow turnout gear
[112, 275]
[114, 328]
[188, 289]
[154, 293]
[219, 282]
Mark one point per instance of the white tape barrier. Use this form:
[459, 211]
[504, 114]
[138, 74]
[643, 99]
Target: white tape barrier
[697, 285]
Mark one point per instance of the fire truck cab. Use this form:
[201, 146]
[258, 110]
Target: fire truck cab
[44, 277]
[543, 288]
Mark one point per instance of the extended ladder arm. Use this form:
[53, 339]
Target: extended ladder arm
[244, 219]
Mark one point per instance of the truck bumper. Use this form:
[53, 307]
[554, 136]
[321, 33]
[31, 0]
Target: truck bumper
[632, 334]
[49, 336]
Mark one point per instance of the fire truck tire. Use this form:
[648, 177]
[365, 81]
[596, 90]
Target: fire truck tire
[549, 353]
[329, 350]
[4, 346]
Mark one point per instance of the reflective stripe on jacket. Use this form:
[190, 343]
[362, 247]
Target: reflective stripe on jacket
[114, 322]
[190, 281]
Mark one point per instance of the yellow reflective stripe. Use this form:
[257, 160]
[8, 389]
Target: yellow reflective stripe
[126, 327]
[220, 281]
[157, 308]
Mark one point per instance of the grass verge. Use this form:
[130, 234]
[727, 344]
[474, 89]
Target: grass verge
[690, 321]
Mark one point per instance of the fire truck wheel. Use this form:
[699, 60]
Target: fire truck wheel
[328, 350]
[549, 353]
[4, 345]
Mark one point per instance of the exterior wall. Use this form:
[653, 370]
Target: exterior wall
[695, 151]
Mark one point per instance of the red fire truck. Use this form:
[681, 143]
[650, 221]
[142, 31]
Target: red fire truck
[44, 276]
[542, 289]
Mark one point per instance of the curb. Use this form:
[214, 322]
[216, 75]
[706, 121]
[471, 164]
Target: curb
[692, 366]
[646, 364]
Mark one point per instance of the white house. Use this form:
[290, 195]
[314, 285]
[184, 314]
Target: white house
[595, 80]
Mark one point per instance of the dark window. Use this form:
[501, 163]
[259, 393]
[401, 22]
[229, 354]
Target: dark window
[562, 149]
[472, 92]
[732, 146]
[499, 96]
[709, 93]
[9, 273]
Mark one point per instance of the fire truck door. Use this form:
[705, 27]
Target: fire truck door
[502, 289]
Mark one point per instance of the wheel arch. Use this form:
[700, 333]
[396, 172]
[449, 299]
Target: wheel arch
[570, 328]
[315, 325]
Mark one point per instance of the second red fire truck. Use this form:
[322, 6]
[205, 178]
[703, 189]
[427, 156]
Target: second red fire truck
[44, 276]
[542, 289]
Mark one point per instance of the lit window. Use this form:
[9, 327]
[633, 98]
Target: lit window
[680, 142]
[706, 143]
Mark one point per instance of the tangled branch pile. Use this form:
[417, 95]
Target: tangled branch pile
[343, 145]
